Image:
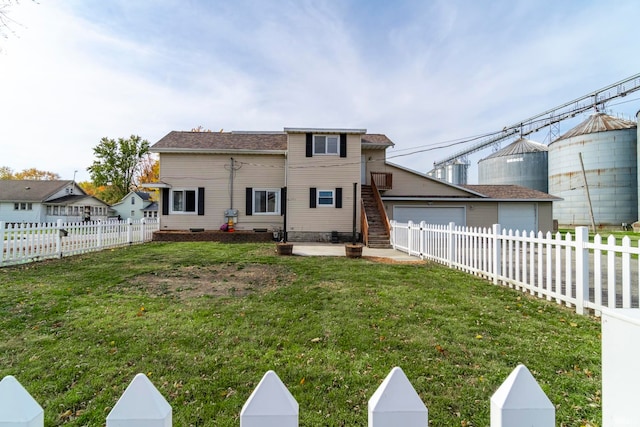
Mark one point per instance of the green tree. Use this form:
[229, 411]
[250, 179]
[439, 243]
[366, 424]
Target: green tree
[36, 174]
[117, 166]
[32, 173]
[6, 172]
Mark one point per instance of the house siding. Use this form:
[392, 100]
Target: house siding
[410, 184]
[212, 172]
[10, 215]
[373, 162]
[323, 173]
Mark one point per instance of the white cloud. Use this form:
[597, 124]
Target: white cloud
[419, 72]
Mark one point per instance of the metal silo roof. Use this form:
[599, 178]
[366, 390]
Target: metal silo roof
[519, 146]
[598, 122]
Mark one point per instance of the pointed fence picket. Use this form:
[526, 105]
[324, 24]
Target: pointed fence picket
[394, 403]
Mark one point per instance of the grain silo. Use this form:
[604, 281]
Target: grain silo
[523, 162]
[596, 161]
[456, 172]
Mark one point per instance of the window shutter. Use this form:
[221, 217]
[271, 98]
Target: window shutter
[343, 145]
[338, 197]
[309, 145]
[200, 200]
[312, 197]
[249, 201]
[165, 201]
[283, 200]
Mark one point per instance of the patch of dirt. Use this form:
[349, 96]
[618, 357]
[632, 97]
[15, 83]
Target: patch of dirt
[383, 260]
[215, 280]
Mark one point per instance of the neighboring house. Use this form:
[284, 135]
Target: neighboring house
[34, 201]
[302, 180]
[135, 205]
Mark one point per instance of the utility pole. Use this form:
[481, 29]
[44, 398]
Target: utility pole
[586, 187]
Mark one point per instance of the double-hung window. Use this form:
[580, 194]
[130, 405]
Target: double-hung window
[266, 201]
[325, 198]
[183, 201]
[325, 144]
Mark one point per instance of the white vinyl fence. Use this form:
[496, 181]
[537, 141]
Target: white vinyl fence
[518, 401]
[31, 242]
[566, 268]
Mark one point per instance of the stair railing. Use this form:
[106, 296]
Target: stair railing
[380, 205]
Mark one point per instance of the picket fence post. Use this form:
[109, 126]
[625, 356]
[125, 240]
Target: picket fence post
[2, 241]
[270, 405]
[497, 252]
[141, 405]
[451, 251]
[143, 221]
[99, 232]
[129, 231]
[17, 407]
[582, 268]
[520, 401]
[59, 238]
[396, 403]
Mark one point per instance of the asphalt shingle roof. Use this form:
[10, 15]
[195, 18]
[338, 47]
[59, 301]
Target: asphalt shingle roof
[253, 141]
[29, 190]
[222, 141]
[515, 192]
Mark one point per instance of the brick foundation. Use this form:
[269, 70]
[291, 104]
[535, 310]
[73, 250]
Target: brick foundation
[212, 236]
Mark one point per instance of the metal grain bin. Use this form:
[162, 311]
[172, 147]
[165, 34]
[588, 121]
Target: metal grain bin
[523, 162]
[456, 172]
[608, 146]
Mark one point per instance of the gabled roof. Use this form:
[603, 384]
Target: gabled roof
[510, 192]
[143, 195]
[29, 190]
[221, 141]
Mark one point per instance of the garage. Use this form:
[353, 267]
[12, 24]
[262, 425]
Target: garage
[430, 214]
[518, 216]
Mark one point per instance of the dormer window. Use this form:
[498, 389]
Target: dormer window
[325, 144]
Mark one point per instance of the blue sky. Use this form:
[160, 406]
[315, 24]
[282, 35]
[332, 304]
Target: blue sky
[421, 72]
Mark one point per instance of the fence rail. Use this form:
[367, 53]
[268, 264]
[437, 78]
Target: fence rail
[518, 401]
[568, 269]
[30, 242]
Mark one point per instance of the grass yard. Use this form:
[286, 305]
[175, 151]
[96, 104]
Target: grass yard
[205, 321]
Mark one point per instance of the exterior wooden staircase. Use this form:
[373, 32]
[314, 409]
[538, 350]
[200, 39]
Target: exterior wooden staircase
[375, 225]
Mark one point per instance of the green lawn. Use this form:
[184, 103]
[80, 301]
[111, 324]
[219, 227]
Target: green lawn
[205, 321]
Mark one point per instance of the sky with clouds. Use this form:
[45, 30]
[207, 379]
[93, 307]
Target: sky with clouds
[421, 72]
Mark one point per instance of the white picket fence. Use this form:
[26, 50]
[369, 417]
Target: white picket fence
[569, 268]
[30, 242]
[518, 401]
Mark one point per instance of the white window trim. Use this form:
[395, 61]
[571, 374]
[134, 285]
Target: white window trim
[253, 201]
[183, 190]
[326, 143]
[333, 199]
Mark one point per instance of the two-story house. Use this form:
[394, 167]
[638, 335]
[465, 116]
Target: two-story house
[316, 184]
[135, 205]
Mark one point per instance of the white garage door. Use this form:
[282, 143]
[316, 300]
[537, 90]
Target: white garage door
[518, 216]
[430, 215]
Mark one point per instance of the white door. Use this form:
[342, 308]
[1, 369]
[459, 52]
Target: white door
[518, 216]
[430, 214]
